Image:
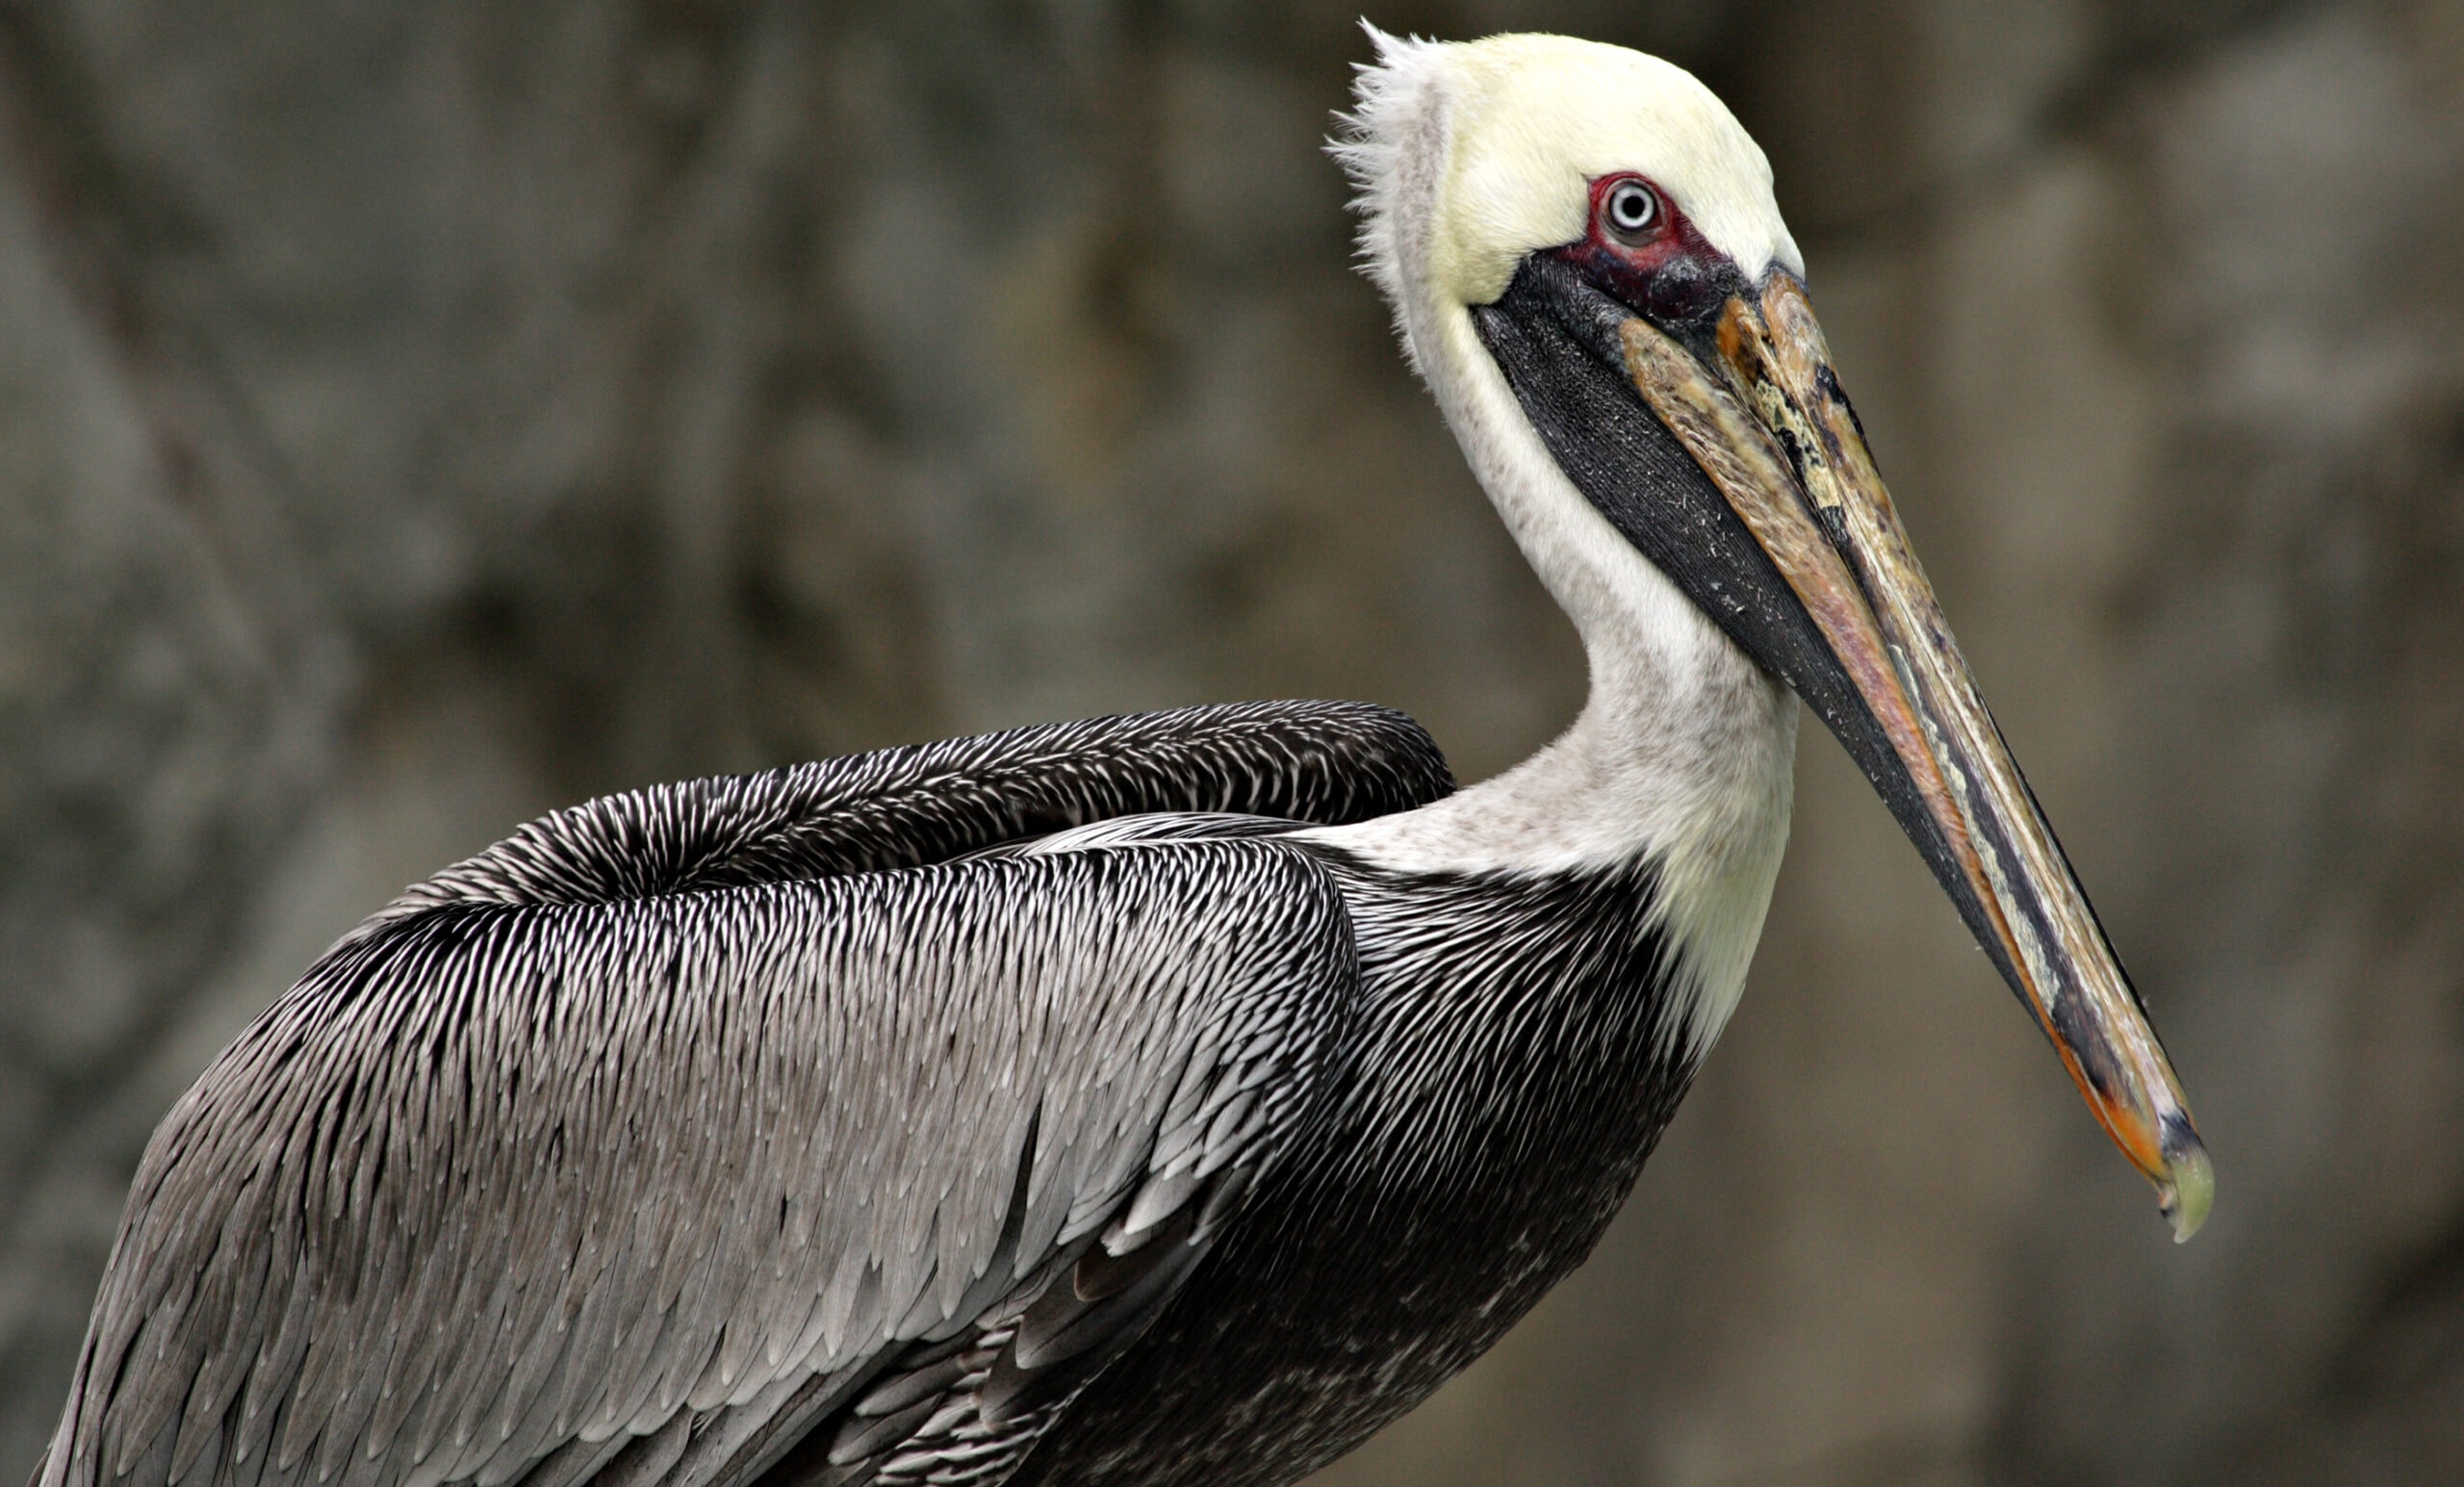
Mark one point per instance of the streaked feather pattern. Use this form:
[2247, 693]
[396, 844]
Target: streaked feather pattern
[632, 1148]
[1519, 1049]
[1321, 763]
[844, 1126]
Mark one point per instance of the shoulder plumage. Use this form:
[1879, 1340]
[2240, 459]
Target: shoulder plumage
[1316, 763]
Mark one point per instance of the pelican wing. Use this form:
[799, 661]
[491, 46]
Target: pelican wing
[1324, 762]
[667, 1135]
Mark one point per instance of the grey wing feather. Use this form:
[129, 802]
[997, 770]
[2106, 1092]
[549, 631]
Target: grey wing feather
[1323, 763]
[227, 1343]
[516, 1191]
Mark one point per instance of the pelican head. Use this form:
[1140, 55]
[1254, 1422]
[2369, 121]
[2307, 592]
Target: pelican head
[1589, 270]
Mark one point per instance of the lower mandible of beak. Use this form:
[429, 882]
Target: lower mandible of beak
[1769, 425]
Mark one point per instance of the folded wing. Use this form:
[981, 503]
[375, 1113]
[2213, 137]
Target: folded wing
[592, 1160]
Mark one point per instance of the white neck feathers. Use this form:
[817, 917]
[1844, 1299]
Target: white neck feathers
[1682, 756]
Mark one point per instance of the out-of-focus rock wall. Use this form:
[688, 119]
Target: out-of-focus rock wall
[416, 417]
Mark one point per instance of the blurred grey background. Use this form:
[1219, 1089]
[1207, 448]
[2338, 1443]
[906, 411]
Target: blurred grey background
[414, 418]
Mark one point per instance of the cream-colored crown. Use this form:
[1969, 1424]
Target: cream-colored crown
[1467, 156]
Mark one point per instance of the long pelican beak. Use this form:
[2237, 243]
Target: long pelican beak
[1795, 549]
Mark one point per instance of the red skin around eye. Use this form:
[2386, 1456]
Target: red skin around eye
[1671, 275]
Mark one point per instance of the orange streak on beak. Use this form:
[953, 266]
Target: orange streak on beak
[1771, 428]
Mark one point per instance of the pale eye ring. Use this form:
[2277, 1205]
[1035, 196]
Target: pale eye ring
[1630, 208]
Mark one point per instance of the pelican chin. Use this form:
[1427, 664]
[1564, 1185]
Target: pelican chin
[1593, 275]
[1149, 1101]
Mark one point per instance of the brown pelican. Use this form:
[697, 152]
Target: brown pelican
[1154, 1100]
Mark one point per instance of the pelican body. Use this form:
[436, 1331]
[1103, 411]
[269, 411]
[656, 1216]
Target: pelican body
[1147, 1101]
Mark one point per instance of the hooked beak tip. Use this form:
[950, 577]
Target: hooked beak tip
[2188, 1188]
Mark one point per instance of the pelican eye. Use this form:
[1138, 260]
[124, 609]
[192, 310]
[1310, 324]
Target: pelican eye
[1630, 210]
